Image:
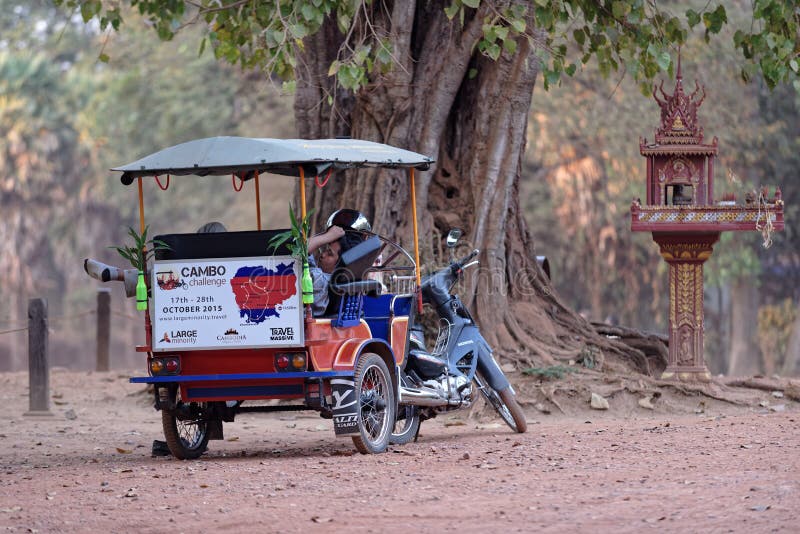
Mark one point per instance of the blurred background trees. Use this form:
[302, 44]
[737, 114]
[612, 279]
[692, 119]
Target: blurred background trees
[66, 117]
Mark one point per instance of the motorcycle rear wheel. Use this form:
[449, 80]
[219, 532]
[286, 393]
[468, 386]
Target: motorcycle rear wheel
[506, 405]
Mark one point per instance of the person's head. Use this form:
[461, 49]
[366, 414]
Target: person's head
[354, 223]
[349, 219]
[328, 256]
[212, 228]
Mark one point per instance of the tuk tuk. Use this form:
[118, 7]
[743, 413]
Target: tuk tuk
[226, 327]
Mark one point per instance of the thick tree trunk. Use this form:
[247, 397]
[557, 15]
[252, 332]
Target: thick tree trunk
[476, 129]
[745, 355]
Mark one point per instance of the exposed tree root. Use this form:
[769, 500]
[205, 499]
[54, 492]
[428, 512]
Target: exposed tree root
[764, 384]
[740, 392]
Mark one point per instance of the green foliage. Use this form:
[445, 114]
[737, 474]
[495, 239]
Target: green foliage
[142, 250]
[296, 238]
[636, 36]
[553, 372]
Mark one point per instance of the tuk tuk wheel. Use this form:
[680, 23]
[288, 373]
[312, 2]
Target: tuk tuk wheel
[376, 404]
[184, 429]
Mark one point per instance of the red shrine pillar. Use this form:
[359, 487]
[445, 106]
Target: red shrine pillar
[685, 255]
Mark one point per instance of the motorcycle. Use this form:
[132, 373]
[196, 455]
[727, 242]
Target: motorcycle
[460, 365]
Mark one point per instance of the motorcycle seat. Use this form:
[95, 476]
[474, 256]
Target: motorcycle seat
[426, 364]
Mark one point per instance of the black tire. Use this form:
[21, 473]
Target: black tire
[185, 430]
[506, 405]
[376, 404]
[406, 425]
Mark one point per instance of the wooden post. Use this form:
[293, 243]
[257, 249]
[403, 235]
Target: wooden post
[38, 365]
[103, 328]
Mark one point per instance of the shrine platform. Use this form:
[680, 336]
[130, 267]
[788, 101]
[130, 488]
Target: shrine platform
[704, 219]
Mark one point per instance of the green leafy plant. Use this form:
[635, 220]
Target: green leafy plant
[142, 249]
[296, 238]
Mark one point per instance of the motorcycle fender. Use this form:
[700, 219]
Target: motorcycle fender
[489, 370]
[345, 407]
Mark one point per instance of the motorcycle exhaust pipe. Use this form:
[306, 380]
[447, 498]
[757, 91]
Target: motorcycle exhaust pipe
[421, 397]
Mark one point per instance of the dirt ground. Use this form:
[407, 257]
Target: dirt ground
[628, 469]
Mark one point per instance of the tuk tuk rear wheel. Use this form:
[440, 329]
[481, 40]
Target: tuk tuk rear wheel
[185, 431]
[376, 404]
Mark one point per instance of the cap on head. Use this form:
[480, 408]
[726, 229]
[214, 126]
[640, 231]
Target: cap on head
[349, 219]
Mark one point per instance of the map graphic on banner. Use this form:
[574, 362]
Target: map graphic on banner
[227, 303]
[260, 291]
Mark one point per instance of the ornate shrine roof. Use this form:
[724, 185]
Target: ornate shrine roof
[680, 131]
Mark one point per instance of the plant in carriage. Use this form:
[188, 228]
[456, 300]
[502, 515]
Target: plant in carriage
[296, 240]
[138, 255]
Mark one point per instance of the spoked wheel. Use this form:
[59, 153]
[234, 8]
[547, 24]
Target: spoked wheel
[376, 404]
[406, 425]
[506, 405]
[184, 429]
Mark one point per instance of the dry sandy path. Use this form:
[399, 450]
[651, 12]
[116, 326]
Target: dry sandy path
[738, 473]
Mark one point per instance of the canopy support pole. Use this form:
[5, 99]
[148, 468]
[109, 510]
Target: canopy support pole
[416, 238]
[141, 206]
[302, 193]
[258, 203]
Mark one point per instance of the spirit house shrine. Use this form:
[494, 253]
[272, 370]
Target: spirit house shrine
[686, 220]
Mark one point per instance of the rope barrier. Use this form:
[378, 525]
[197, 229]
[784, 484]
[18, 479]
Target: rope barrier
[125, 316]
[12, 331]
[57, 318]
[10, 323]
[71, 316]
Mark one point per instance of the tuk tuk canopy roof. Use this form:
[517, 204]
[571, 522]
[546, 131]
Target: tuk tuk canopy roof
[244, 156]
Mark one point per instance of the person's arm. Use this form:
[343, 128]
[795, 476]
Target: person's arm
[316, 241]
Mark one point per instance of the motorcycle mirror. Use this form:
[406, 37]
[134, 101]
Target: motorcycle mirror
[452, 237]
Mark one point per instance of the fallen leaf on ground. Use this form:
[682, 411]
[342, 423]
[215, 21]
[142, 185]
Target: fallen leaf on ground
[123, 451]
